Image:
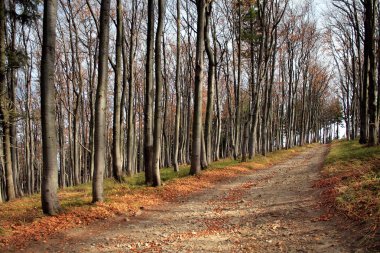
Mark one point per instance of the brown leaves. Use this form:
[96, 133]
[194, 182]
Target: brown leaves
[22, 220]
[324, 217]
[36, 227]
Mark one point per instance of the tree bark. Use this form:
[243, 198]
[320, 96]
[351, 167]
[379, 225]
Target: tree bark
[117, 161]
[131, 96]
[211, 87]
[197, 120]
[100, 104]
[149, 94]
[4, 109]
[177, 89]
[237, 102]
[370, 69]
[158, 102]
[49, 186]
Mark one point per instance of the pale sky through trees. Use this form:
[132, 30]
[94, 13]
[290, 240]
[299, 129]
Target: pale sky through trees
[320, 7]
[321, 11]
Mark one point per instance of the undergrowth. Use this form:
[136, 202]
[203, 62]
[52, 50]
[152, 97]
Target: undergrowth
[352, 180]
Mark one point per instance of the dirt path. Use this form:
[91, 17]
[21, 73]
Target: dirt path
[271, 210]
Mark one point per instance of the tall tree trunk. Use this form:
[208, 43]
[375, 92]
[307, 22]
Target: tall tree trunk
[218, 110]
[255, 94]
[177, 89]
[12, 96]
[238, 109]
[378, 76]
[49, 186]
[218, 122]
[370, 69]
[131, 96]
[158, 102]
[364, 95]
[4, 109]
[117, 161]
[100, 104]
[149, 95]
[197, 120]
[210, 85]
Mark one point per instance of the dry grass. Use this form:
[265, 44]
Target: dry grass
[22, 220]
[352, 185]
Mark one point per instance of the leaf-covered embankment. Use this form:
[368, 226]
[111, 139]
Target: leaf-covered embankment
[351, 182]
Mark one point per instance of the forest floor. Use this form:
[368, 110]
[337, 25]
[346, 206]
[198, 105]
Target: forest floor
[276, 209]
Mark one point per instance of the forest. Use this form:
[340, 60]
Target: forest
[108, 89]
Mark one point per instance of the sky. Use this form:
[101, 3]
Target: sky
[320, 7]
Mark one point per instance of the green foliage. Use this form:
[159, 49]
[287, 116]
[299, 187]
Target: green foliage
[250, 25]
[167, 174]
[2, 231]
[223, 163]
[349, 151]
[79, 188]
[355, 171]
[73, 202]
[16, 58]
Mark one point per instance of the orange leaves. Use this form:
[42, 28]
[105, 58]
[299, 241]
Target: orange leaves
[22, 220]
[324, 217]
[325, 182]
[31, 226]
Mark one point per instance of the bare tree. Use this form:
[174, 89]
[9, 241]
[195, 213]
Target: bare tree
[117, 161]
[370, 69]
[100, 104]
[177, 88]
[49, 186]
[210, 86]
[5, 108]
[158, 103]
[199, 59]
[149, 95]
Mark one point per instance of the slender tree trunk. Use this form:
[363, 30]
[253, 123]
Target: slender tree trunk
[177, 89]
[378, 77]
[61, 137]
[12, 105]
[1, 169]
[255, 99]
[149, 94]
[364, 103]
[4, 109]
[100, 104]
[197, 120]
[370, 70]
[218, 110]
[117, 161]
[210, 85]
[131, 96]
[158, 102]
[49, 187]
[238, 109]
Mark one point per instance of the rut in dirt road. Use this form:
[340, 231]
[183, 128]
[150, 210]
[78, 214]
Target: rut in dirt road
[270, 210]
